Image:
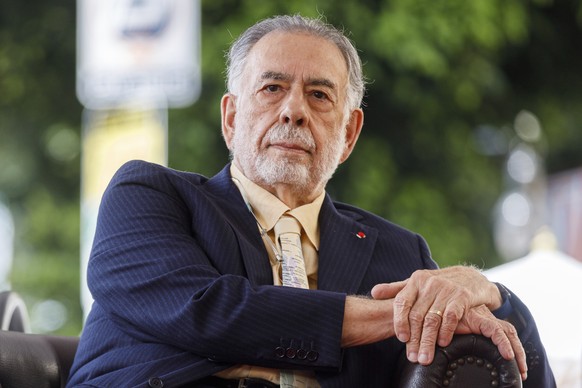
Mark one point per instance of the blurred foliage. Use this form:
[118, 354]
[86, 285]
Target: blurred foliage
[437, 71]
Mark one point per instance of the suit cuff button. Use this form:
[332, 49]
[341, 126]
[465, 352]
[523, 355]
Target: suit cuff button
[301, 354]
[312, 355]
[280, 352]
[155, 382]
[291, 353]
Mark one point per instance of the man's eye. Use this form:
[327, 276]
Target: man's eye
[272, 88]
[319, 95]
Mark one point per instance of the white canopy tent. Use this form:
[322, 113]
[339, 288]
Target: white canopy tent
[550, 284]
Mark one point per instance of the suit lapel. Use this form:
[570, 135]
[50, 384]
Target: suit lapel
[345, 251]
[244, 226]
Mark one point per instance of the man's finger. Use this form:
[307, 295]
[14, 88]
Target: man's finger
[412, 348]
[404, 317]
[387, 290]
[430, 331]
[451, 316]
[518, 349]
[503, 334]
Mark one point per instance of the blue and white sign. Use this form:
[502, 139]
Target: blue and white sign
[133, 51]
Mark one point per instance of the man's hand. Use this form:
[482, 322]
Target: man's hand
[479, 320]
[446, 293]
[432, 305]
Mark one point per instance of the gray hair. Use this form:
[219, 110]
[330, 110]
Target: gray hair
[238, 53]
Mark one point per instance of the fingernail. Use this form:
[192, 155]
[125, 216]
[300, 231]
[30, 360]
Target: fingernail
[423, 358]
[413, 357]
[402, 337]
[524, 376]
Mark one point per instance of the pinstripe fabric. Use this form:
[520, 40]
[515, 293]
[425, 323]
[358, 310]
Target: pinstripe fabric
[183, 286]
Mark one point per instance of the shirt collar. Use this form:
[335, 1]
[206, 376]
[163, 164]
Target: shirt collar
[268, 208]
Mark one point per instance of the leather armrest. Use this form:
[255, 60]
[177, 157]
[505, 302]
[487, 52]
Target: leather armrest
[34, 360]
[469, 361]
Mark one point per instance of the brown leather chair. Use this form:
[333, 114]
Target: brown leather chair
[469, 361]
[44, 361]
[30, 360]
[35, 360]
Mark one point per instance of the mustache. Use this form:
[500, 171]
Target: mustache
[291, 133]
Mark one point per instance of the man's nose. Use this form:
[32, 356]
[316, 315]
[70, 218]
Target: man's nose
[294, 110]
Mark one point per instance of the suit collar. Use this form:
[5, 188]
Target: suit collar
[346, 245]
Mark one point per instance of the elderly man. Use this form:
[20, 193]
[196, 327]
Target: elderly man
[198, 282]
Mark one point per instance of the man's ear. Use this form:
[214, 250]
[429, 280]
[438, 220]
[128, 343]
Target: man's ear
[353, 130]
[228, 112]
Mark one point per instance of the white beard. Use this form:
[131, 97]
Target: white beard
[270, 170]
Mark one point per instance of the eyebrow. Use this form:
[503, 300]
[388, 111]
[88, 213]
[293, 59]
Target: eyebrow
[322, 82]
[275, 75]
[278, 76]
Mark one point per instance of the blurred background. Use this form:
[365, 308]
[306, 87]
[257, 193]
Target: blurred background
[471, 138]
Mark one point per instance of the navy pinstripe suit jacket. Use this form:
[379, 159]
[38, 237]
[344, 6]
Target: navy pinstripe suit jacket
[183, 286]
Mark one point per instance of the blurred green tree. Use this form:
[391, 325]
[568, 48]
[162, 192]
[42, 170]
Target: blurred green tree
[39, 150]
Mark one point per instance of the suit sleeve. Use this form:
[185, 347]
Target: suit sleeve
[149, 274]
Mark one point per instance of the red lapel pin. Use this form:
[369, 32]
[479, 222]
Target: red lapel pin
[361, 235]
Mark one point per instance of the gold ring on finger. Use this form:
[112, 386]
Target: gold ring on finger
[437, 312]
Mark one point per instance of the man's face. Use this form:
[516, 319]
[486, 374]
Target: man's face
[288, 118]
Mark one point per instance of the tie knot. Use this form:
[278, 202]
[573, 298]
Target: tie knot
[287, 224]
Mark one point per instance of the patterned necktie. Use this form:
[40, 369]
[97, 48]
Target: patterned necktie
[288, 233]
